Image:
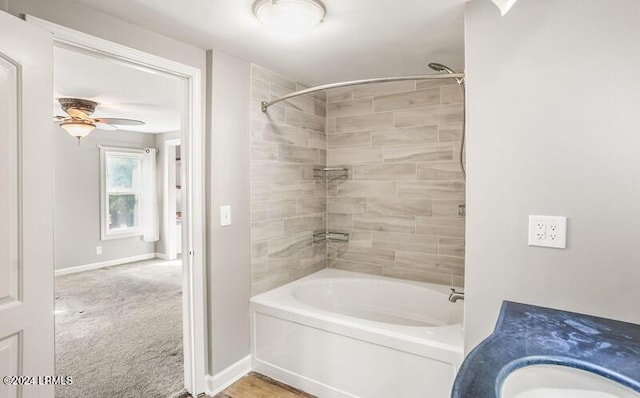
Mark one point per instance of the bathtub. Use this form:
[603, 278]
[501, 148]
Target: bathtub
[345, 334]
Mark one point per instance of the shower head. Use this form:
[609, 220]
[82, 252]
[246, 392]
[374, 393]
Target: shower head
[443, 68]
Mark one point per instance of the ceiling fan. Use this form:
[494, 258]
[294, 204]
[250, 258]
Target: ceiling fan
[79, 124]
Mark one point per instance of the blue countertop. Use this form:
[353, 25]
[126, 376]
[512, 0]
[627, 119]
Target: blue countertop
[529, 335]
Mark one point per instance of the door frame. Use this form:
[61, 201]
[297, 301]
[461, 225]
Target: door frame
[170, 197]
[192, 144]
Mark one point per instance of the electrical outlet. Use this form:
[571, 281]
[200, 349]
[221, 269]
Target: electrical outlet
[548, 231]
[98, 249]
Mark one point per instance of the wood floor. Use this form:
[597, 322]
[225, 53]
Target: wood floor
[255, 385]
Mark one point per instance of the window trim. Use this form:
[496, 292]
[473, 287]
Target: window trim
[105, 234]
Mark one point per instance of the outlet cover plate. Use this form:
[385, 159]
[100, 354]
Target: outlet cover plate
[548, 231]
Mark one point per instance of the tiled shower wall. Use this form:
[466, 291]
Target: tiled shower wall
[400, 201]
[288, 204]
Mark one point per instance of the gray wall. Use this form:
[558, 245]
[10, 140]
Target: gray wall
[288, 203]
[77, 199]
[399, 202]
[229, 255]
[553, 129]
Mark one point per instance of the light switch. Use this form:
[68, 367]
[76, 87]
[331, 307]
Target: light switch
[225, 216]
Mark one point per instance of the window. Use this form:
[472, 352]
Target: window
[121, 175]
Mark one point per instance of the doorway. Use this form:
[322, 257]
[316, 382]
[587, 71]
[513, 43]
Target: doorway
[192, 273]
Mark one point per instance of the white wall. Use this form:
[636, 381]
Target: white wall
[88, 20]
[553, 100]
[77, 199]
[227, 249]
[161, 144]
[228, 154]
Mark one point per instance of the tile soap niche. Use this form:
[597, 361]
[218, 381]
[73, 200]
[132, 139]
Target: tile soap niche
[331, 236]
[332, 173]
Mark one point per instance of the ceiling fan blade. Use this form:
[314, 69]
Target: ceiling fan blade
[77, 113]
[105, 126]
[119, 122]
[57, 118]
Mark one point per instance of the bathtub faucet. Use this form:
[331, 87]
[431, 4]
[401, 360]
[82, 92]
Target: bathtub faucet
[455, 296]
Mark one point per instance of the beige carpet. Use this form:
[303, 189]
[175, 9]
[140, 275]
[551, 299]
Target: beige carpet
[119, 331]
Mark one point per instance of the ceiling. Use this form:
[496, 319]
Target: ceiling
[358, 39]
[122, 90]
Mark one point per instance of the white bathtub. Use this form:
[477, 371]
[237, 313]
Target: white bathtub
[345, 334]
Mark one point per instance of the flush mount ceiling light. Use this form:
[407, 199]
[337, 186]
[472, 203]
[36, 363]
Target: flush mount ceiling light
[289, 17]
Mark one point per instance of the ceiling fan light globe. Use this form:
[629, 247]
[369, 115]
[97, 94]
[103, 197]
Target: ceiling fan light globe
[78, 129]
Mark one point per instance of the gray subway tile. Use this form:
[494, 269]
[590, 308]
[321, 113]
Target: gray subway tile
[451, 94]
[374, 121]
[430, 262]
[339, 94]
[264, 151]
[450, 132]
[405, 100]
[418, 275]
[317, 140]
[308, 121]
[345, 156]
[399, 207]
[447, 208]
[274, 172]
[431, 189]
[440, 171]
[266, 229]
[259, 249]
[298, 154]
[339, 220]
[349, 140]
[380, 257]
[405, 242]
[398, 171]
[367, 189]
[424, 84]
[384, 223]
[354, 266]
[272, 210]
[285, 134]
[311, 205]
[451, 246]
[300, 224]
[289, 245]
[426, 153]
[260, 190]
[419, 135]
[359, 106]
[346, 205]
[429, 115]
[451, 227]
[374, 89]
[293, 190]
[259, 89]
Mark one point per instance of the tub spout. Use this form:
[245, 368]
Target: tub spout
[455, 296]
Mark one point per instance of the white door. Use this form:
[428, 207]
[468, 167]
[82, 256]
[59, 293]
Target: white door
[26, 207]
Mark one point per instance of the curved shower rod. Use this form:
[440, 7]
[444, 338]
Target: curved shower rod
[265, 105]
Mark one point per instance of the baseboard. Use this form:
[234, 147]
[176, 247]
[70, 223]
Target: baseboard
[162, 256]
[221, 380]
[296, 380]
[103, 264]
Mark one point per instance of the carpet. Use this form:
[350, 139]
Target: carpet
[119, 331]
